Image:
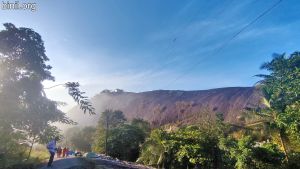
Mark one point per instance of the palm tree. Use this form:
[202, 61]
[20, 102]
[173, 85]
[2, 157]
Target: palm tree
[153, 151]
[281, 89]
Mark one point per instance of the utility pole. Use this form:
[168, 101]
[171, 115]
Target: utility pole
[106, 134]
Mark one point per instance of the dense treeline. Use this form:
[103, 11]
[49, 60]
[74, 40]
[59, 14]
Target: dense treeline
[208, 146]
[79, 139]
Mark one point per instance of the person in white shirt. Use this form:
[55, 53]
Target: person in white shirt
[51, 146]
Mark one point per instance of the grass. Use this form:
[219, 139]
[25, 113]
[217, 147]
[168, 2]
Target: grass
[17, 160]
[41, 156]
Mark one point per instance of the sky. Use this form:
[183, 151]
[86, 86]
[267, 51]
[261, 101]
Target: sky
[142, 45]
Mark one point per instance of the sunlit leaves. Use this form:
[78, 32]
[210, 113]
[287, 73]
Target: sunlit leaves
[281, 89]
[282, 86]
[188, 146]
[78, 96]
[292, 119]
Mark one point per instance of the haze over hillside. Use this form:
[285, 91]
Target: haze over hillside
[167, 106]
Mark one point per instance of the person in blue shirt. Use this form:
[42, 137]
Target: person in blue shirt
[51, 146]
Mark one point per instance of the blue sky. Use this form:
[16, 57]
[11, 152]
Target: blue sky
[141, 45]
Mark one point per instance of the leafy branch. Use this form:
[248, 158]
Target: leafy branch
[78, 96]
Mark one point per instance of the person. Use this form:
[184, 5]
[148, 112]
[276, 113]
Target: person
[64, 152]
[59, 152]
[51, 146]
[71, 152]
[67, 152]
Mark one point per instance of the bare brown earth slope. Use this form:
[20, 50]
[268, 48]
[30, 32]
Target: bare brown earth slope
[167, 106]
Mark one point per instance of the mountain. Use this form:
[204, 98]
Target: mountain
[168, 106]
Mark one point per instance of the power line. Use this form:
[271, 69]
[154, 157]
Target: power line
[170, 47]
[227, 42]
[175, 39]
[218, 50]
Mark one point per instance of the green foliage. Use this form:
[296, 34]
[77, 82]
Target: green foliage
[142, 124]
[84, 103]
[124, 142]
[242, 152]
[110, 119]
[118, 139]
[281, 86]
[294, 161]
[189, 146]
[99, 140]
[292, 120]
[152, 149]
[281, 89]
[245, 153]
[268, 155]
[11, 152]
[82, 139]
[197, 146]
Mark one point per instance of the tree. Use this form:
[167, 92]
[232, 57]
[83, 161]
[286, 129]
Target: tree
[11, 151]
[108, 119]
[187, 147]
[24, 105]
[281, 89]
[245, 153]
[152, 150]
[23, 69]
[239, 153]
[142, 124]
[119, 139]
[82, 139]
[124, 141]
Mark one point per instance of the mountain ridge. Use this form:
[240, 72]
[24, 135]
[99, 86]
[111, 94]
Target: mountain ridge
[168, 106]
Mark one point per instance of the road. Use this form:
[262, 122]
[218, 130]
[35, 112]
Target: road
[97, 163]
[102, 163]
[69, 163]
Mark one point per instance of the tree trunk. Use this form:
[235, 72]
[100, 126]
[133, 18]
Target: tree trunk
[281, 136]
[30, 149]
[106, 136]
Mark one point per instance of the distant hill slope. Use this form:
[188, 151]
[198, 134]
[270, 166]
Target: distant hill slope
[167, 106]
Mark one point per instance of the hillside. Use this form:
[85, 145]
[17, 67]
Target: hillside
[167, 106]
